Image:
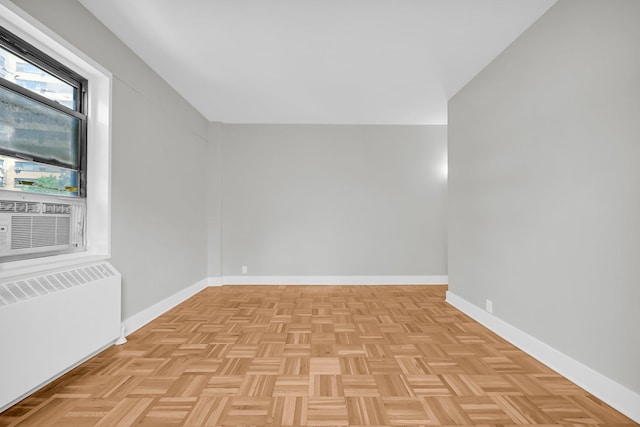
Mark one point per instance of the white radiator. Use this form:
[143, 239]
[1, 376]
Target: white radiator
[51, 322]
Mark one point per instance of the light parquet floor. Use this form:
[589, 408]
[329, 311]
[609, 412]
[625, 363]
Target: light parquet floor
[312, 356]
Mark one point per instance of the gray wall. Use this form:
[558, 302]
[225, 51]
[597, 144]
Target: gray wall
[544, 185]
[334, 200]
[158, 168]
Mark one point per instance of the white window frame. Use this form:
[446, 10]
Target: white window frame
[98, 216]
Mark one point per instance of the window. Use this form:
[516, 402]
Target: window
[43, 122]
[43, 146]
[62, 90]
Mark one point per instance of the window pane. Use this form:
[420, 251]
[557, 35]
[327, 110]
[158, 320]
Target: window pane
[20, 175]
[34, 129]
[29, 76]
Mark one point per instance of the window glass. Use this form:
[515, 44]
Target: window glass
[37, 130]
[33, 177]
[32, 77]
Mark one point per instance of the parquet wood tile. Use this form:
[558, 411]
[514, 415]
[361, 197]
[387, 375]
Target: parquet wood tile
[325, 386]
[360, 385]
[291, 385]
[406, 412]
[219, 385]
[354, 365]
[297, 356]
[366, 411]
[288, 411]
[324, 366]
[242, 411]
[327, 411]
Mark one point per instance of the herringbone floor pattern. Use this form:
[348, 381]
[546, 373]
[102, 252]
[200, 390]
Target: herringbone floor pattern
[312, 356]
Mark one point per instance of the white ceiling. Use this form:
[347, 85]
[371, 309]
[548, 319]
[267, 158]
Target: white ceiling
[318, 61]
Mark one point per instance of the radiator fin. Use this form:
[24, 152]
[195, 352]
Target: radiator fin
[83, 273]
[23, 290]
[16, 291]
[91, 273]
[6, 296]
[63, 280]
[97, 272]
[78, 277]
[27, 289]
[49, 281]
[39, 288]
[106, 270]
[70, 278]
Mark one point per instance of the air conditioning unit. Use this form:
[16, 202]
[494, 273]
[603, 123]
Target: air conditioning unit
[34, 226]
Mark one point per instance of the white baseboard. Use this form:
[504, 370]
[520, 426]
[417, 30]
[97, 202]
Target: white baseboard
[140, 319]
[214, 281]
[335, 280]
[614, 394]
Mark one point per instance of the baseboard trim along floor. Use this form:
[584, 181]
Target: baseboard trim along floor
[138, 320]
[335, 280]
[604, 388]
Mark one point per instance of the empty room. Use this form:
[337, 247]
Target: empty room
[319, 212]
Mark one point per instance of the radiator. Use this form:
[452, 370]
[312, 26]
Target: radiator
[53, 321]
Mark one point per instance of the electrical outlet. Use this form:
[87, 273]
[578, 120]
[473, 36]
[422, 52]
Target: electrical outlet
[244, 269]
[488, 305]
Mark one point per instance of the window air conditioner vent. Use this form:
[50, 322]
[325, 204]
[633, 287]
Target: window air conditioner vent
[39, 231]
[28, 227]
[43, 231]
[20, 207]
[6, 206]
[32, 207]
[21, 232]
[63, 229]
